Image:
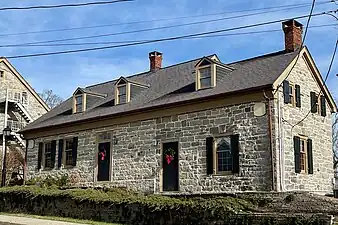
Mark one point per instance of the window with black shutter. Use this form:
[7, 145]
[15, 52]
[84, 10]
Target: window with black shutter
[223, 155]
[74, 152]
[40, 152]
[53, 154]
[303, 155]
[314, 102]
[298, 98]
[60, 153]
[286, 92]
[322, 106]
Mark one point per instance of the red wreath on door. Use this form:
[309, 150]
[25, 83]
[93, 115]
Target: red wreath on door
[102, 154]
[169, 155]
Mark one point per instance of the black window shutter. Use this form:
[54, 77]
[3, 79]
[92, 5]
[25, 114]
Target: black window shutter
[235, 153]
[74, 152]
[313, 102]
[286, 91]
[53, 153]
[60, 153]
[309, 156]
[322, 106]
[40, 155]
[298, 99]
[210, 155]
[296, 144]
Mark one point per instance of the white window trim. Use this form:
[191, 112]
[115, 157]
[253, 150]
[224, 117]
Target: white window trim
[117, 100]
[304, 138]
[64, 157]
[198, 76]
[215, 163]
[84, 97]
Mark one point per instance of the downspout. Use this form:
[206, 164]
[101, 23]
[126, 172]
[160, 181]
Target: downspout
[281, 143]
[271, 140]
[5, 125]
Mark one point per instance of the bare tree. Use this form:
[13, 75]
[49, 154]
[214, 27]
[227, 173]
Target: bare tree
[51, 99]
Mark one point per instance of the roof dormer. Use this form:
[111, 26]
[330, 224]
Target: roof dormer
[84, 98]
[205, 74]
[208, 71]
[79, 101]
[126, 90]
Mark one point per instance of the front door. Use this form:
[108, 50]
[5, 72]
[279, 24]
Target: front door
[103, 162]
[170, 166]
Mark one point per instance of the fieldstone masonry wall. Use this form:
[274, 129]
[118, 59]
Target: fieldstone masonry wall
[315, 127]
[13, 84]
[136, 152]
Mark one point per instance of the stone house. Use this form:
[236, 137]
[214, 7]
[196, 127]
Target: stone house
[19, 106]
[201, 126]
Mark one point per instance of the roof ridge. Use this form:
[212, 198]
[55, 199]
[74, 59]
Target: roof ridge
[260, 56]
[139, 74]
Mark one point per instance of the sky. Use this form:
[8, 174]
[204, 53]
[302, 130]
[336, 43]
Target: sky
[64, 73]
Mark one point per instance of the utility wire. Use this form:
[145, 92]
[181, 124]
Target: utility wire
[161, 40]
[301, 46]
[63, 5]
[164, 19]
[326, 77]
[149, 29]
[132, 41]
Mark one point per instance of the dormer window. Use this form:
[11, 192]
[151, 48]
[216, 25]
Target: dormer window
[205, 77]
[79, 103]
[126, 90]
[122, 94]
[205, 74]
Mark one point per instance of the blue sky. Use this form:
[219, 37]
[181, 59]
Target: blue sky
[64, 73]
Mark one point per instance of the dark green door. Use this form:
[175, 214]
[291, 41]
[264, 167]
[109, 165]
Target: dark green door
[170, 166]
[103, 162]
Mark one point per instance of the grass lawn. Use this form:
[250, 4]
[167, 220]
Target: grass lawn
[64, 219]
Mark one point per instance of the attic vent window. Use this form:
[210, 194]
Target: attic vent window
[122, 94]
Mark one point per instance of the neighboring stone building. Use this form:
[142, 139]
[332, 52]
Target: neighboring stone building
[200, 126]
[19, 105]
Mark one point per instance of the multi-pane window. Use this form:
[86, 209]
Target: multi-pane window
[303, 157]
[79, 103]
[24, 98]
[69, 153]
[17, 97]
[205, 77]
[122, 94]
[48, 155]
[224, 162]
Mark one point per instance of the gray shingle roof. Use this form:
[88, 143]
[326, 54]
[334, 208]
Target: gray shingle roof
[172, 85]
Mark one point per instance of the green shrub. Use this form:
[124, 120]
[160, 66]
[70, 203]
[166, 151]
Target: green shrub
[50, 181]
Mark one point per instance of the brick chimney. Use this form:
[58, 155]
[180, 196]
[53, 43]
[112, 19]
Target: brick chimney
[155, 60]
[293, 35]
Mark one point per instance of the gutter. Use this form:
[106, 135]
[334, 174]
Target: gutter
[143, 110]
[273, 188]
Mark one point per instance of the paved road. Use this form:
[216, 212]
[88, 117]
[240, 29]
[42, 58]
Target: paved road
[14, 220]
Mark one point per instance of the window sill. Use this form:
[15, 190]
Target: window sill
[68, 167]
[220, 174]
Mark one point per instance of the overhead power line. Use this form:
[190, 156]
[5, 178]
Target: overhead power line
[133, 41]
[150, 29]
[325, 80]
[302, 44]
[163, 39]
[291, 6]
[63, 5]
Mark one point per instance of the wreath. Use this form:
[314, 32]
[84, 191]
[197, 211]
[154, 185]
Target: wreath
[102, 154]
[169, 155]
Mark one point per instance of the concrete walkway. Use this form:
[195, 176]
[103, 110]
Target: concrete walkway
[16, 220]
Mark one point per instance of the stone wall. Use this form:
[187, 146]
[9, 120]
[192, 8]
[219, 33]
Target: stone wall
[136, 151]
[13, 84]
[315, 127]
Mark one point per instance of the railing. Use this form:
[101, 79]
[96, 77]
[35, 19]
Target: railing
[15, 125]
[14, 95]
